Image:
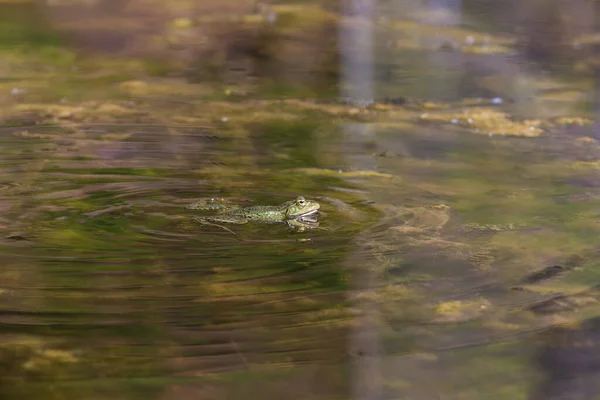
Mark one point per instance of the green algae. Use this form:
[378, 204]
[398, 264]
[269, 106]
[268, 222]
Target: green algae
[25, 361]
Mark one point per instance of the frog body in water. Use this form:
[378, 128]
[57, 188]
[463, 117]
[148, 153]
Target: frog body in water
[299, 209]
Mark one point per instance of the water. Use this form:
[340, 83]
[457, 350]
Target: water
[456, 252]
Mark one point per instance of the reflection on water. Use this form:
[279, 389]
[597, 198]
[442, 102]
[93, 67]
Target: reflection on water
[357, 65]
[455, 251]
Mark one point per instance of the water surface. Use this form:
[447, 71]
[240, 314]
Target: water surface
[456, 255]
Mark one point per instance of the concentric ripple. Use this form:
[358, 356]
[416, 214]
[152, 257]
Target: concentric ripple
[104, 251]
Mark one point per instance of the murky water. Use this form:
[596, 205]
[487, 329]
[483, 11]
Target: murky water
[456, 250]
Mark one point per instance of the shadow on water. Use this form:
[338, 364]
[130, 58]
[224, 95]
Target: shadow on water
[569, 360]
[455, 254]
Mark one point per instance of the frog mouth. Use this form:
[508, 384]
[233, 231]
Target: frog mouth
[309, 213]
[310, 219]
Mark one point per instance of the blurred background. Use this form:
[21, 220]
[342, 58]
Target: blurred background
[453, 148]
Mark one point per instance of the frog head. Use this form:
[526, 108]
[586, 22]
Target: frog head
[301, 207]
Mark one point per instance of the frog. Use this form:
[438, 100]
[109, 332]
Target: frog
[298, 213]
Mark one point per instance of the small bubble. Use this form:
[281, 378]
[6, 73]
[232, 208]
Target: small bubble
[497, 100]
[470, 40]
[224, 119]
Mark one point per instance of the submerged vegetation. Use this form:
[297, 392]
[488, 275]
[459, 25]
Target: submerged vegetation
[448, 222]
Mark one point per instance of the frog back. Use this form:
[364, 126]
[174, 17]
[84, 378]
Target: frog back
[260, 213]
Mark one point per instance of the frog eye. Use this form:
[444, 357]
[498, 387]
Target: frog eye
[301, 201]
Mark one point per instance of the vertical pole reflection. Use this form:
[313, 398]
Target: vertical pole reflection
[356, 55]
[356, 50]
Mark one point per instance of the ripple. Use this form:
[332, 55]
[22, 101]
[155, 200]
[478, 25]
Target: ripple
[100, 249]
